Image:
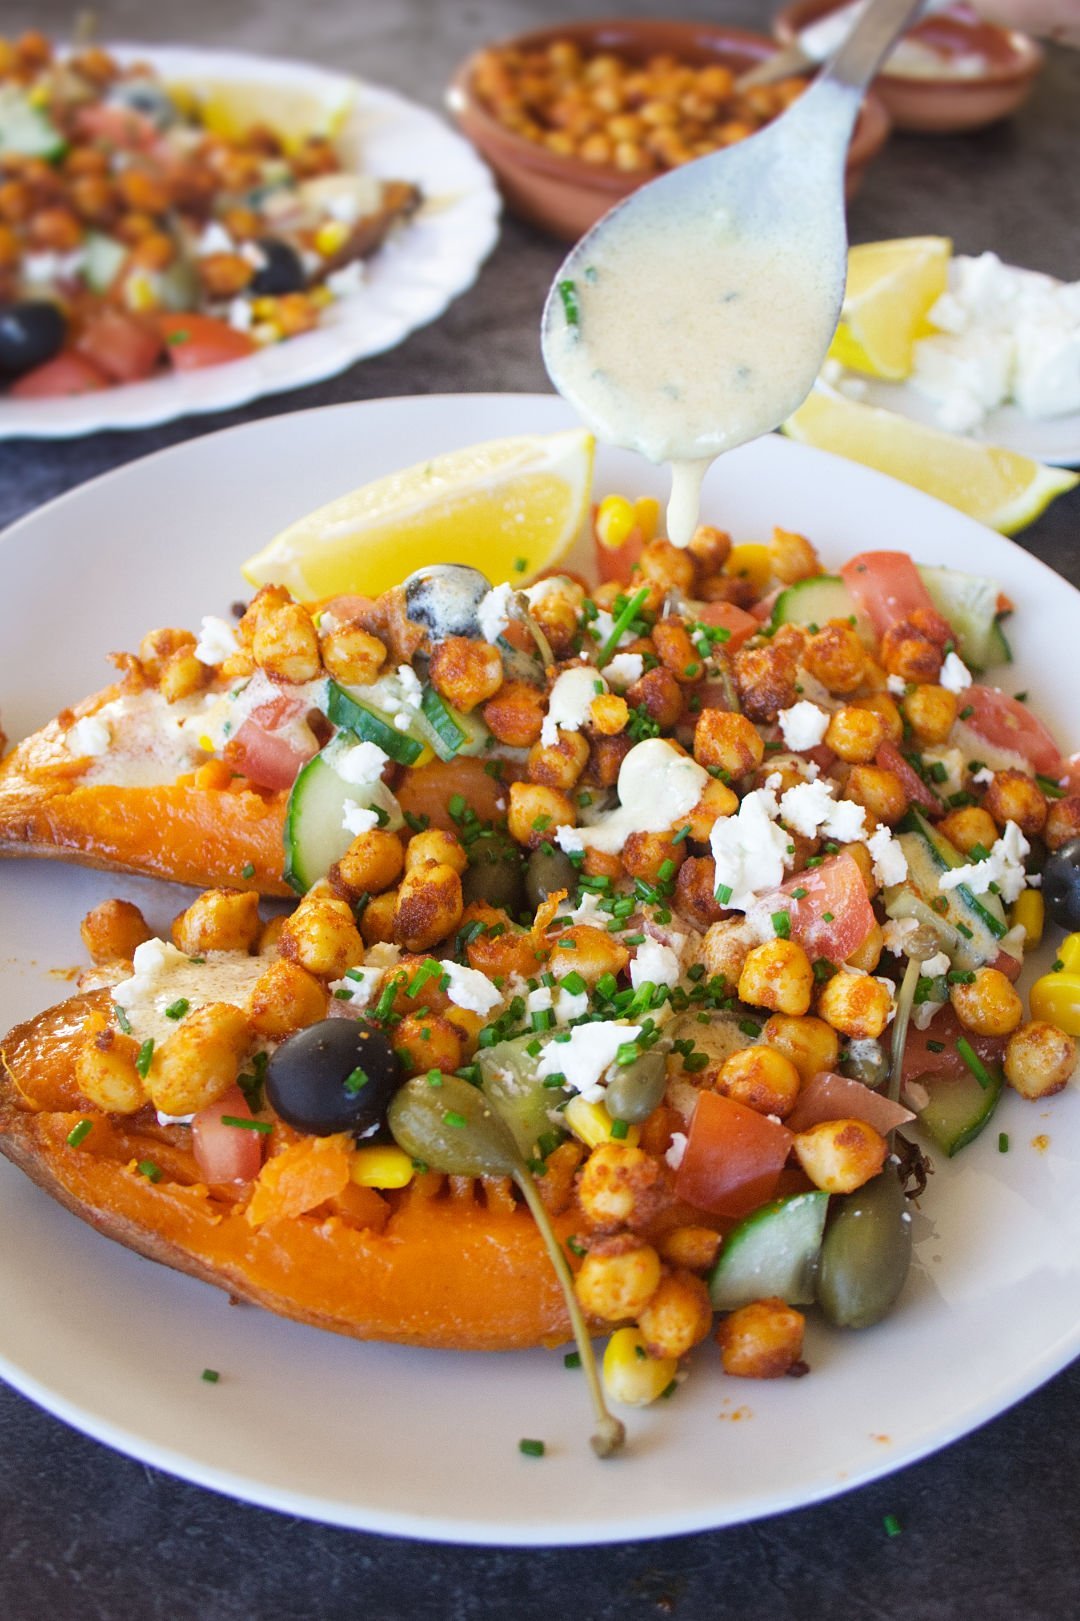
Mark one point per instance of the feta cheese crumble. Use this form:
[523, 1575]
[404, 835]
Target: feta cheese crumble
[1004, 866]
[955, 675]
[890, 862]
[654, 963]
[470, 989]
[624, 669]
[362, 764]
[584, 1058]
[357, 818]
[935, 966]
[803, 725]
[676, 1149]
[217, 640]
[493, 614]
[750, 850]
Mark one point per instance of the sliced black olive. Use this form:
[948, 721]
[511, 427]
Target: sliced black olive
[145, 97]
[1061, 885]
[282, 272]
[30, 333]
[337, 1075]
[444, 598]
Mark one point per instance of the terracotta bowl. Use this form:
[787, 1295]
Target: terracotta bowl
[566, 195]
[952, 102]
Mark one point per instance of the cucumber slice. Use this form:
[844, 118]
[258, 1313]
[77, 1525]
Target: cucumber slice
[815, 602]
[105, 257]
[521, 1098]
[969, 927]
[970, 603]
[958, 1107]
[772, 1251]
[27, 130]
[315, 835]
[444, 728]
[370, 726]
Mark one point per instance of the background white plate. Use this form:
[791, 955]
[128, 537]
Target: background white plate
[425, 1443]
[419, 271]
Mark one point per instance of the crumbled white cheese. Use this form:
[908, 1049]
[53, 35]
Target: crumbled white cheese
[749, 849]
[240, 314]
[570, 840]
[412, 692]
[677, 1149]
[983, 775]
[569, 702]
[890, 862]
[935, 966]
[494, 613]
[214, 238]
[803, 725]
[89, 737]
[589, 910]
[362, 764]
[359, 987]
[253, 255]
[955, 675]
[470, 989]
[584, 1058]
[624, 669]
[896, 932]
[896, 685]
[151, 960]
[217, 640]
[1004, 866]
[602, 626]
[810, 806]
[654, 963]
[349, 279]
[357, 818]
[566, 1005]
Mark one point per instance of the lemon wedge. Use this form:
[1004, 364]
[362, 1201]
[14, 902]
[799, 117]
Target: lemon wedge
[890, 288]
[999, 487]
[510, 508]
[230, 107]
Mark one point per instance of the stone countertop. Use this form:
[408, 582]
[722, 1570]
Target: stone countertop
[990, 1526]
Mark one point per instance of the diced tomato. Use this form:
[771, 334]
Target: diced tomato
[885, 587]
[837, 1097]
[273, 743]
[115, 126]
[1069, 774]
[1007, 964]
[226, 1153]
[944, 1031]
[736, 621]
[834, 916]
[733, 1157]
[64, 375]
[123, 346]
[193, 341]
[345, 608]
[889, 758]
[617, 562]
[762, 610]
[1006, 723]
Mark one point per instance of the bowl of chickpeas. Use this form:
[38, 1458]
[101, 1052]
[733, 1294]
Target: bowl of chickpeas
[574, 117]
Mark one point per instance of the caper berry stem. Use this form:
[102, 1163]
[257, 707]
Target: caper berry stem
[904, 1003]
[542, 643]
[610, 1432]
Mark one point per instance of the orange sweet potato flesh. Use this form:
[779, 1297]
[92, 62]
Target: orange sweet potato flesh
[445, 1271]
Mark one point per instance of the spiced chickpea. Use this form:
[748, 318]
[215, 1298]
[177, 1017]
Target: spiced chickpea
[835, 656]
[692, 1248]
[225, 275]
[55, 230]
[659, 694]
[778, 975]
[879, 790]
[717, 800]
[372, 863]
[609, 714]
[112, 931]
[516, 714]
[725, 948]
[534, 812]
[855, 1004]
[322, 937]
[218, 920]
[617, 1280]
[930, 711]
[620, 1186]
[968, 826]
[880, 703]
[1013, 796]
[351, 654]
[105, 1070]
[808, 1043]
[286, 644]
[429, 906]
[286, 998]
[590, 952]
[377, 919]
[677, 652]
[1062, 821]
[436, 844]
[159, 645]
[182, 674]
[558, 765]
[667, 566]
[200, 1060]
[766, 679]
[840, 1155]
[678, 1316]
[855, 735]
[646, 855]
[503, 948]
[762, 1078]
[988, 1005]
[908, 652]
[763, 1340]
[606, 755]
[710, 548]
[465, 672]
[727, 741]
[1040, 1059]
[792, 557]
[431, 1042]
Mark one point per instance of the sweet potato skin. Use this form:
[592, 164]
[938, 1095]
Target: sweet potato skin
[448, 1270]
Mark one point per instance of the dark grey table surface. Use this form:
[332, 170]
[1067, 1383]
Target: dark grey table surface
[990, 1526]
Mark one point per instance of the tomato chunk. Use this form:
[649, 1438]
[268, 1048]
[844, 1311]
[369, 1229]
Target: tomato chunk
[194, 341]
[121, 345]
[827, 1096]
[733, 1157]
[1006, 723]
[834, 916]
[736, 621]
[65, 375]
[889, 758]
[945, 1030]
[226, 1153]
[885, 587]
[273, 743]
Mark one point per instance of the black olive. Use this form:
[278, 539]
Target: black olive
[337, 1075]
[444, 597]
[1061, 885]
[282, 272]
[30, 333]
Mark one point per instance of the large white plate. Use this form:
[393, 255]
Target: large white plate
[419, 271]
[425, 1443]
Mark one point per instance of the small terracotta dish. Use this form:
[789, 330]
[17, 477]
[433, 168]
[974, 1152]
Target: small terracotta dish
[986, 72]
[566, 195]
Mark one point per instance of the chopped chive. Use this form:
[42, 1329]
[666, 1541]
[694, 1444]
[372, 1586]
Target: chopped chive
[177, 1009]
[695, 1062]
[144, 1056]
[826, 917]
[520, 564]
[960, 976]
[79, 1133]
[148, 1169]
[247, 1125]
[962, 928]
[533, 1449]
[1003, 1142]
[799, 894]
[781, 922]
[749, 1028]
[210, 1376]
[936, 1046]
[974, 1062]
[967, 712]
[575, 1246]
[571, 307]
[356, 1081]
[434, 1077]
[669, 1390]
[628, 613]
[619, 1129]
[572, 1359]
[723, 894]
[247, 870]
[452, 1118]
[892, 1525]
[122, 1019]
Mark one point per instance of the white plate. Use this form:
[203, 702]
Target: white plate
[419, 271]
[425, 1443]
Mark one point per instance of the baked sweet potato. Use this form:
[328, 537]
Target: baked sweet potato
[456, 1265]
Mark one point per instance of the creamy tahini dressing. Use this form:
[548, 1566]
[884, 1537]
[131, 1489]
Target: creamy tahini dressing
[164, 976]
[703, 316]
[657, 785]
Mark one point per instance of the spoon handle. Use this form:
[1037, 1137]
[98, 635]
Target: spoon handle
[872, 36]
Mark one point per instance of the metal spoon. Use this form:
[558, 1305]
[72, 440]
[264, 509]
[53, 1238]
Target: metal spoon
[696, 314]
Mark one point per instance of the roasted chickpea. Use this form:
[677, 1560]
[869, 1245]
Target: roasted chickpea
[431, 1042]
[967, 827]
[694, 1248]
[181, 675]
[465, 672]
[224, 275]
[810, 1044]
[717, 800]
[516, 714]
[270, 937]
[792, 557]
[620, 1186]
[558, 765]
[377, 919]
[112, 931]
[503, 948]
[678, 1317]
[286, 998]
[855, 734]
[200, 1060]
[373, 862]
[105, 1070]
[727, 741]
[1013, 796]
[726, 947]
[710, 548]
[659, 694]
[646, 855]
[695, 892]
[351, 654]
[677, 652]
[930, 712]
[322, 937]
[667, 566]
[609, 714]
[286, 645]
[777, 975]
[879, 790]
[436, 844]
[762, 1078]
[535, 812]
[840, 1155]
[763, 1340]
[836, 657]
[429, 906]
[218, 920]
[766, 678]
[988, 1005]
[880, 703]
[618, 1283]
[1062, 822]
[606, 755]
[157, 646]
[594, 953]
[1040, 1060]
[868, 954]
[855, 1004]
[910, 653]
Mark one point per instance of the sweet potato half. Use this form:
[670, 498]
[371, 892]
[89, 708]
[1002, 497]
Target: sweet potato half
[447, 1264]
